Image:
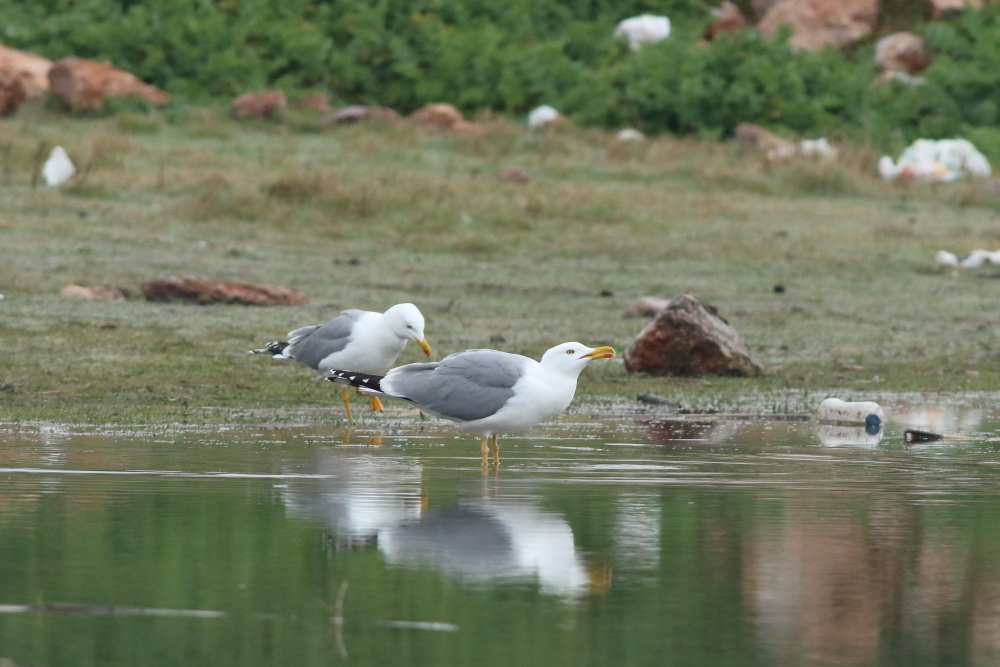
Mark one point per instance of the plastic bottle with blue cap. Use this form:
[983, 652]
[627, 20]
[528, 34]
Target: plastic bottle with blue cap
[868, 413]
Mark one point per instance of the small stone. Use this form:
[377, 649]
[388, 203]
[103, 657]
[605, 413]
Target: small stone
[513, 175]
[779, 289]
[655, 399]
[258, 105]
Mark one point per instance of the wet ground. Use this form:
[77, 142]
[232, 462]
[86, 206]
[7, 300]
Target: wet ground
[601, 539]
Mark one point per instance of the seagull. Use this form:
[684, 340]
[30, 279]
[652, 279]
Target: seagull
[486, 392]
[357, 340]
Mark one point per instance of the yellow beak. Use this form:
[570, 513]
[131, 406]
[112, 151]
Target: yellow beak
[600, 353]
[425, 346]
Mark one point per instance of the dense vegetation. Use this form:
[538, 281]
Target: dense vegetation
[512, 56]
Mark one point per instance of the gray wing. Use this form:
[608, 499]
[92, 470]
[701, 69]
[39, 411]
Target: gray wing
[466, 386]
[311, 345]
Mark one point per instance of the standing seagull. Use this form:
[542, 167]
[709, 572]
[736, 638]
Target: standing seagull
[356, 340]
[487, 392]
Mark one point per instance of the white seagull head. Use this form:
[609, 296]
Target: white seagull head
[571, 358]
[407, 322]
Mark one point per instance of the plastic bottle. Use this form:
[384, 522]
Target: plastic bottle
[868, 413]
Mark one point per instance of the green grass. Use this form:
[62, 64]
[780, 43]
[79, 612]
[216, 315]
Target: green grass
[372, 215]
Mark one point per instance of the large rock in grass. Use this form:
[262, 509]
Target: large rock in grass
[83, 84]
[439, 117]
[263, 104]
[689, 338]
[205, 291]
[901, 52]
[820, 23]
[23, 76]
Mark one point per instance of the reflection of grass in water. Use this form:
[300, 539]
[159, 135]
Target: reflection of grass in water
[519, 266]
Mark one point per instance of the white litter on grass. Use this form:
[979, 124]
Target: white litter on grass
[976, 259]
[807, 147]
[940, 161]
[58, 168]
[629, 134]
[645, 29]
[542, 116]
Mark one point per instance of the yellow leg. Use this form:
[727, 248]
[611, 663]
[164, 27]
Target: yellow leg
[485, 449]
[495, 446]
[376, 404]
[347, 404]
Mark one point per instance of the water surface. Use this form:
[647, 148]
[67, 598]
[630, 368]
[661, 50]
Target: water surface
[600, 540]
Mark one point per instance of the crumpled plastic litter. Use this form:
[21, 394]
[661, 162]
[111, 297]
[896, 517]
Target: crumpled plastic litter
[542, 116]
[644, 29]
[940, 161]
[58, 168]
[975, 259]
[812, 147]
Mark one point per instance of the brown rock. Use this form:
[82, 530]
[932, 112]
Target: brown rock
[901, 52]
[820, 23]
[513, 175]
[83, 84]
[689, 338]
[258, 105]
[31, 69]
[356, 114]
[315, 102]
[725, 18]
[760, 137]
[437, 116]
[12, 93]
[93, 293]
[939, 8]
[204, 290]
[647, 306]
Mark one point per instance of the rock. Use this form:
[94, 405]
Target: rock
[12, 93]
[83, 84]
[901, 52]
[437, 116]
[513, 175]
[31, 69]
[939, 8]
[645, 29]
[543, 116]
[205, 290]
[725, 18]
[820, 23]
[630, 134]
[93, 293]
[58, 168]
[760, 137]
[315, 102]
[258, 105]
[647, 306]
[356, 114]
[689, 338]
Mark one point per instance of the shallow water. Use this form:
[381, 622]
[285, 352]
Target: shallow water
[600, 540]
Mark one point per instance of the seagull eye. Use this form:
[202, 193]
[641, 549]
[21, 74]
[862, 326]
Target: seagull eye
[570, 351]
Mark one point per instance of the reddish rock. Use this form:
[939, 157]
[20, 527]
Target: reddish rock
[30, 69]
[258, 105]
[938, 8]
[689, 338]
[901, 52]
[93, 293]
[204, 290]
[356, 114]
[513, 175]
[12, 93]
[725, 18]
[762, 138]
[83, 84]
[437, 117]
[315, 102]
[647, 306]
[820, 23]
